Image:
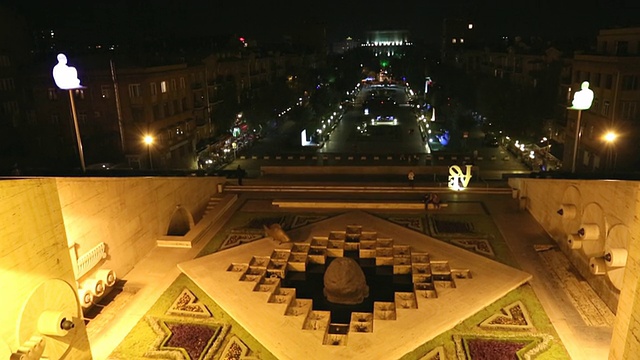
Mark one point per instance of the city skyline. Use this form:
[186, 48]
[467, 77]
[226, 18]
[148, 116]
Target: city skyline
[266, 23]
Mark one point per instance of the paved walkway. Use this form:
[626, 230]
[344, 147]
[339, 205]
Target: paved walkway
[522, 232]
[151, 276]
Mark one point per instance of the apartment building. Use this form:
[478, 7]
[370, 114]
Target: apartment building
[613, 72]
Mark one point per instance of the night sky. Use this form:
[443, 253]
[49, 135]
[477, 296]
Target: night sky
[269, 20]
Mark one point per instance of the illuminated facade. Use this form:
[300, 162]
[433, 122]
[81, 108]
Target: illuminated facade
[387, 42]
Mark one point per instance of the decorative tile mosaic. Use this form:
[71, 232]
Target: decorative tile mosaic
[302, 220]
[412, 222]
[234, 350]
[187, 304]
[195, 340]
[499, 347]
[512, 316]
[435, 354]
[481, 246]
[235, 239]
[452, 226]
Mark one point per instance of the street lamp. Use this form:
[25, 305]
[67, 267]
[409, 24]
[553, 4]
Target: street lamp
[610, 138]
[66, 78]
[148, 139]
[582, 100]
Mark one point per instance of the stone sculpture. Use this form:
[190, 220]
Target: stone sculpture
[344, 282]
[276, 233]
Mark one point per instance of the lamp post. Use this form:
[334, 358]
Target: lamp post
[610, 138]
[148, 139]
[66, 78]
[582, 100]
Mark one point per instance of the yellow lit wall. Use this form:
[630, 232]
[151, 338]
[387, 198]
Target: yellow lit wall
[127, 214]
[620, 202]
[33, 249]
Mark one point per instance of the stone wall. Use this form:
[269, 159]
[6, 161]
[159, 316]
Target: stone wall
[127, 214]
[33, 250]
[610, 204]
[47, 223]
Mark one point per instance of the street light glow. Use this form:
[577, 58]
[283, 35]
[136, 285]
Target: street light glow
[610, 137]
[148, 140]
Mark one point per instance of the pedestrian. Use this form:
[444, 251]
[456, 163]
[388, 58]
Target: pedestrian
[411, 177]
[240, 174]
[435, 200]
[427, 200]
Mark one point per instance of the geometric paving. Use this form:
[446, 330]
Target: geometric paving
[591, 308]
[289, 328]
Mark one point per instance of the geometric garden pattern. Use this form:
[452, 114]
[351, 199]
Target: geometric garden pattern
[498, 331]
[427, 277]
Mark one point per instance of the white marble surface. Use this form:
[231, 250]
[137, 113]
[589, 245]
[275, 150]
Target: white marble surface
[390, 339]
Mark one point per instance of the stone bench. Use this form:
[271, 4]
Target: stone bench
[321, 204]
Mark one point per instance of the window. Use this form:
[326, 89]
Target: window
[82, 117]
[163, 87]
[156, 112]
[79, 93]
[154, 89]
[137, 114]
[134, 90]
[6, 84]
[166, 110]
[630, 82]
[586, 77]
[629, 110]
[596, 80]
[576, 77]
[596, 105]
[622, 48]
[608, 81]
[182, 83]
[52, 93]
[605, 108]
[104, 91]
[174, 87]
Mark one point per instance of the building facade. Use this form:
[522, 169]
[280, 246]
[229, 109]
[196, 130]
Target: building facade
[613, 72]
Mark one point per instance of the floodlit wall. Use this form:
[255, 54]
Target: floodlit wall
[597, 218]
[127, 214]
[34, 251]
[47, 223]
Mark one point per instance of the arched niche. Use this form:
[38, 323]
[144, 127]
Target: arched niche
[181, 222]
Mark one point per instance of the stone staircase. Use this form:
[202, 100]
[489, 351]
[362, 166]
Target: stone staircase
[216, 208]
[211, 205]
